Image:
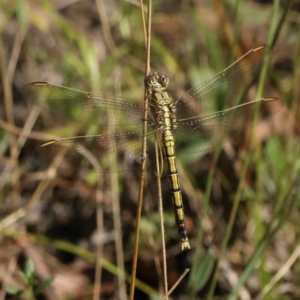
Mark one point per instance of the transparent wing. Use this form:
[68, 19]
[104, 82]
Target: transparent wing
[217, 110]
[119, 120]
[226, 90]
[99, 153]
[86, 107]
[205, 132]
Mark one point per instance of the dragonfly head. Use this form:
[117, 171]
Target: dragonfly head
[156, 82]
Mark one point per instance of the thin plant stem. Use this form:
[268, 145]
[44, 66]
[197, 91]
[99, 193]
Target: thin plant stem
[148, 43]
[105, 28]
[176, 284]
[161, 218]
[143, 164]
[281, 22]
[15, 53]
[100, 226]
[279, 275]
[296, 88]
[143, 22]
[270, 38]
[118, 236]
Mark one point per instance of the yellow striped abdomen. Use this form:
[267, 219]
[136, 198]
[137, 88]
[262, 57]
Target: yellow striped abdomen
[168, 143]
[166, 120]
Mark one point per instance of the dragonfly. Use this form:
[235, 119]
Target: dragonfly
[206, 116]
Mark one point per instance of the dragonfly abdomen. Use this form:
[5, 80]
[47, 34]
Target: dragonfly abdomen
[176, 196]
[168, 145]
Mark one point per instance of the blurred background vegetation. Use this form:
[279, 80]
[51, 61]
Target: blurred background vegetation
[241, 201]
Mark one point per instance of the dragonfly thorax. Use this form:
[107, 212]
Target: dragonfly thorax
[156, 82]
[163, 110]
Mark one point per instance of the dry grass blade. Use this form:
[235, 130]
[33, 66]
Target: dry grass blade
[143, 164]
[279, 275]
[176, 284]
